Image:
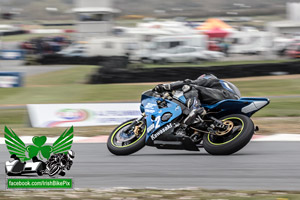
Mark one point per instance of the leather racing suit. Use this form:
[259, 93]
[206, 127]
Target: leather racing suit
[207, 89]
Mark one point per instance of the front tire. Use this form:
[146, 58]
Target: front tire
[233, 141]
[131, 145]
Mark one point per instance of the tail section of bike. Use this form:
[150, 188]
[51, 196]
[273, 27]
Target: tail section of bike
[245, 106]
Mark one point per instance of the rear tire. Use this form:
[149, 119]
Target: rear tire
[225, 145]
[127, 149]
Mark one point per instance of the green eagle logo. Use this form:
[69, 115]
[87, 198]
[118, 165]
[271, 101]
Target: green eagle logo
[16, 146]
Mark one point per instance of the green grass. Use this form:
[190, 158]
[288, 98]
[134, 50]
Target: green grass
[67, 86]
[71, 94]
[13, 116]
[218, 63]
[269, 87]
[281, 107]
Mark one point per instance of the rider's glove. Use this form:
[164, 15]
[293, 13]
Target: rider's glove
[186, 88]
[187, 81]
[167, 87]
[162, 87]
[159, 88]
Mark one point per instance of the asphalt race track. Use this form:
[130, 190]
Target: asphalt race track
[27, 70]
[260, 165]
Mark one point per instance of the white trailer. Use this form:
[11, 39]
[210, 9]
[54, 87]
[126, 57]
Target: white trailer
[252, 42]
[106, 46]
[167, 42]
[162, 44]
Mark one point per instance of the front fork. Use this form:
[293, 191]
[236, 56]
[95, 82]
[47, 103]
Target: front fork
[138, 120]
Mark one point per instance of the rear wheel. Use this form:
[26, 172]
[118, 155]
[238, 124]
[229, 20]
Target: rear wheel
[232, 141]
[125, 143]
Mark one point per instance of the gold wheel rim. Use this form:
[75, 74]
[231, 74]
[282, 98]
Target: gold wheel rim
[229, 125]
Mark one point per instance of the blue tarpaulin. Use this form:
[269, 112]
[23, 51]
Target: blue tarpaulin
[11, 79]
[11, 54]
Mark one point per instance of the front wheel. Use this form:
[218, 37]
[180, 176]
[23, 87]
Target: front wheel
[232, 141]
[121, 142]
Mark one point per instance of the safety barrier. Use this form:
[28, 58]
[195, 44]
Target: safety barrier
[119, 75]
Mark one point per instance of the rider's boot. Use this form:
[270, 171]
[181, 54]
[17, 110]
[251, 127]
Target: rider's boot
[194, 105]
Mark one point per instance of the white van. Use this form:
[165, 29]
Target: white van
[164, 43]
[252, 42]
[167, 42]
[106, 46]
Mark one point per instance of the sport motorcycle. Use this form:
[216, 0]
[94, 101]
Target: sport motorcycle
[224, 129]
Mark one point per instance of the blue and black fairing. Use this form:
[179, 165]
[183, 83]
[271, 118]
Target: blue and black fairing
[245, 106]
[159, 123]
[158, 119]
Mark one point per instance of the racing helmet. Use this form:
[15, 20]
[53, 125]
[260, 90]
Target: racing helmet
[71, 154]
[207, 76]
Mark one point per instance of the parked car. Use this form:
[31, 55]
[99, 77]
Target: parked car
[183, 54]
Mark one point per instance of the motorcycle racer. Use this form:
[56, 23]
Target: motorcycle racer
[206, 89]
